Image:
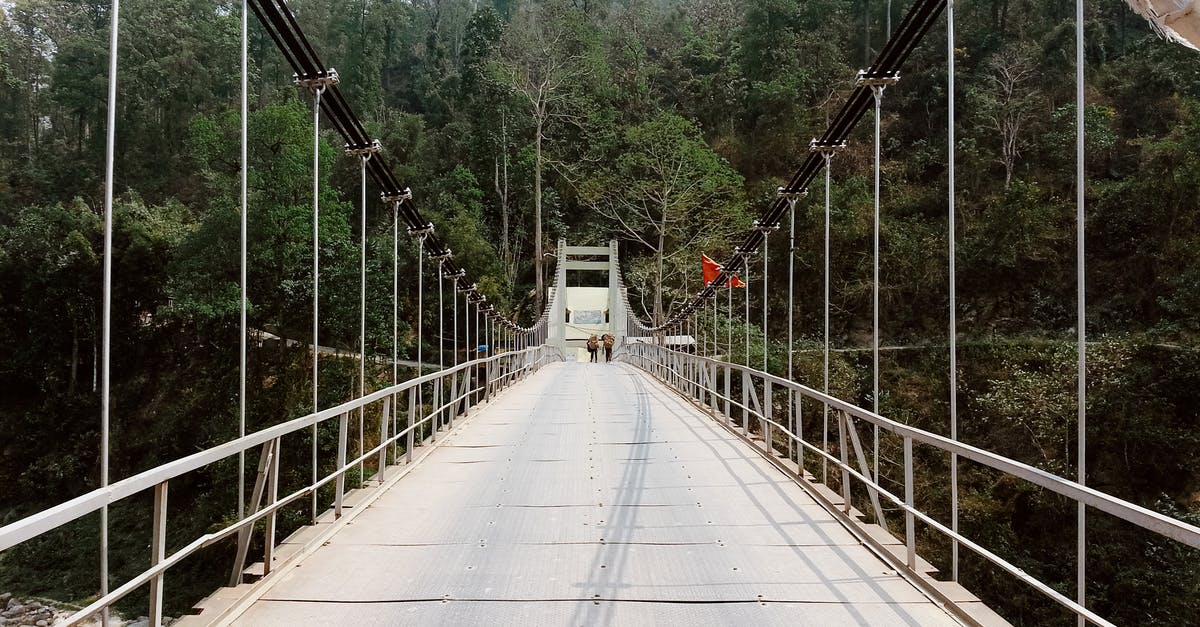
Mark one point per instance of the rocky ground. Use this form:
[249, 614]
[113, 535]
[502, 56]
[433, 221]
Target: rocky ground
[15, 612]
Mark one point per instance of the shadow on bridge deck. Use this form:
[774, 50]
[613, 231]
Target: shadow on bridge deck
[590, 495]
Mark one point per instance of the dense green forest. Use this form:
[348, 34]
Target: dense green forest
[666, 124]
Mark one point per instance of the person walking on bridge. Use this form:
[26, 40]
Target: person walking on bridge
[609, 340]
[592, 345]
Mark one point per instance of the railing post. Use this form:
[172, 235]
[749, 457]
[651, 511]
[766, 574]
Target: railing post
[272, 496]
[340, 490]
[746, 387]
[260, 485]
[412, 423]
[728, 394]
[845, 455]
[468, 385]
[435, 417]
[798, 409]
[383, 436]
[712, 390]
[454, 401]
[158, 539]
[768, 411]
[910, 532]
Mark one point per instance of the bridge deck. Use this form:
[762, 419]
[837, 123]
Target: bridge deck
[590, 495]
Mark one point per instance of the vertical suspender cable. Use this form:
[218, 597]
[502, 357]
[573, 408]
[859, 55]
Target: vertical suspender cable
[764, 306]
[788, 353]
[729, 321]
[420, 327]
[106, 313]
[953, 292]
[362, 315]
[420, 303]
[878, 91]
[746, 329]
[825, 420]
[316, 278]
[395, 315]
[441, 342]
[1080, 309]
[441, 320]
[454, 297]
[241, 505]
[715, 348]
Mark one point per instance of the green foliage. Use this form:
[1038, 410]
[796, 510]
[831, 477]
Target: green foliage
[666, 125]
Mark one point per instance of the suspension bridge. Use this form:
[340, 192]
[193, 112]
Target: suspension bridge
[522, 484]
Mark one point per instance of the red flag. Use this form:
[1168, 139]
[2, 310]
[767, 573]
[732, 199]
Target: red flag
[712, 269]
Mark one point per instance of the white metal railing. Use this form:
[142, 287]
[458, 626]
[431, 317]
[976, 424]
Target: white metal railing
[698, 378]
[452, 392]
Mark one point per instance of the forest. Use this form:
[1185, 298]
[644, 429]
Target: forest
[667, 125]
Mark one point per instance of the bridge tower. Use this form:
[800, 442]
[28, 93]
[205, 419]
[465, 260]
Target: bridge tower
[584, 310]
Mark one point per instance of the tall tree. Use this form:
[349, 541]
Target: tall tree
[544, 59]
[670, 193]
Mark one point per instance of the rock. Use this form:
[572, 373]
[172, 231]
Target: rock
[5, 597]
[11, 602]
[42, 623]
[34, 604]
[142, 621]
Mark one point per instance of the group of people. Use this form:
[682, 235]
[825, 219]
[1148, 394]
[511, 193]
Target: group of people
[594, 343]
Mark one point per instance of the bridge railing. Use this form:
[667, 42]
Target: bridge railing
[451, 393]
[713, 385]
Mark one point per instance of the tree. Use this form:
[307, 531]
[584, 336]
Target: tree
[670, 193]
[1008, 103]
[544, 57]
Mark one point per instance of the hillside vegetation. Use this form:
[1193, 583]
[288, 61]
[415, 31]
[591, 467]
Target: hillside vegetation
[664, 124]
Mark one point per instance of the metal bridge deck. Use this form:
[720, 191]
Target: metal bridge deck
[590, 495]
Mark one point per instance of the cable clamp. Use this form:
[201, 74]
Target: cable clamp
[830, 148]
[400, 196]
[364, 151]
[765, 229]
[873, 79]
[442, 257]
[319, 82]
[421, 232]
[455, 276]
[783, 192]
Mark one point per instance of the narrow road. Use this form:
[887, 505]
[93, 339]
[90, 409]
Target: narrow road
[589, 495]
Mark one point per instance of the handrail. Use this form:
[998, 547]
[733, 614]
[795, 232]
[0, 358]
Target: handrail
[657, 360]
[499, 369]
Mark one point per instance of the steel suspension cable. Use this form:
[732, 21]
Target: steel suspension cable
[106, 309]
[890, 59]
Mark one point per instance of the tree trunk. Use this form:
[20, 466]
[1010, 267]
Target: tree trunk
[658, 285]
[537, 219]
[502, 193]
[74, 357]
